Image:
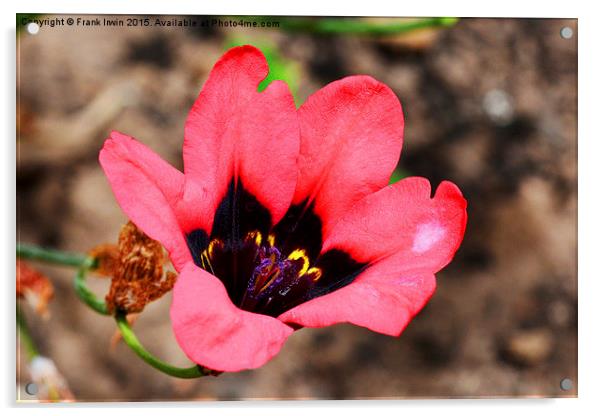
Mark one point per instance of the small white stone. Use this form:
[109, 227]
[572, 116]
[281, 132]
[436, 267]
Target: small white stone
[42, 368]
[498, 106]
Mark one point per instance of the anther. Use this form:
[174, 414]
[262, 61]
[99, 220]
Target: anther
[271, 240]
[212, 246]
[254, 236]
[298, 254]
[315, 271]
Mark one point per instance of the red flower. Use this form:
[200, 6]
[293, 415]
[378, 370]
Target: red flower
[283, 217]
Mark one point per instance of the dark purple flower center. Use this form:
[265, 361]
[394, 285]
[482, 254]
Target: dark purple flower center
[272, 277]
[269, 269]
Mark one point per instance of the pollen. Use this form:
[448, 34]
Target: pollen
[299, 254]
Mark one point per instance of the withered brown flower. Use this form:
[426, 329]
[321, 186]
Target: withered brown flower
[136, 265]
[35, 287]
[107, 259]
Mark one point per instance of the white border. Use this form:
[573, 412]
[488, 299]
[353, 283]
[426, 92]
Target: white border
[590, 287]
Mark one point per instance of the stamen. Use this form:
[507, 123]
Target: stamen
[207, 254]
[271, 279]
[208, 262]
[254, 236]
[298, 254]
[273, 274]
[317, 271]
[212, 246]
[271, 240]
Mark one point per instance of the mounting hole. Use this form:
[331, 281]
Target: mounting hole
[31, 389]
[566, 384]
[566, 32]
[33, 28]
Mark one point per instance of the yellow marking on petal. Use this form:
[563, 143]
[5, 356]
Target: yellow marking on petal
[271, 240]
[317, 271]
[298, 254]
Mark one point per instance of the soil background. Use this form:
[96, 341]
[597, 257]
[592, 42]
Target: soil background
[490, 104]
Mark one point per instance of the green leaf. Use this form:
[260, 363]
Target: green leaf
[397, 175]
[363, 26]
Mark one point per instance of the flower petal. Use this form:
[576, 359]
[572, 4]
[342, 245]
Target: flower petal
[216, 334]
[404, 237]
[147, 188]
[381, 299]
[402, 220]
[351, 137]
[236, 134]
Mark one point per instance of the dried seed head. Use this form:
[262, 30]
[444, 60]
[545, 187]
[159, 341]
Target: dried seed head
[34, 287]
[139, 277]
[107, 259]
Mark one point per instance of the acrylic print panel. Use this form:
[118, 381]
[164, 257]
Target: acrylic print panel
[268, 257]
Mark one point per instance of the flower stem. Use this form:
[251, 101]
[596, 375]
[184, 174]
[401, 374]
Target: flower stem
[32, 252]
[82, 291]
[82, 261]
[25, 337]
[132, 341]
[362, 26]
[86, 263]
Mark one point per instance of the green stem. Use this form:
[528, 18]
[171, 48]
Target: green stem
[25, 336]
[32, 252]
[82, 291]
[132, 341]
[85, 263]
[364, 27]
[129, 337]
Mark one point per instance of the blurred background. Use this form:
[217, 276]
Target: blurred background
[490, 104]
